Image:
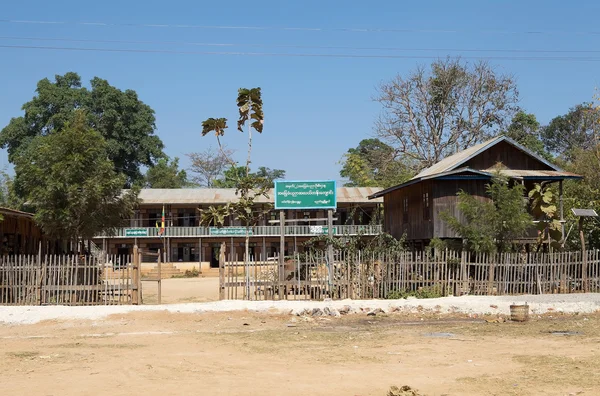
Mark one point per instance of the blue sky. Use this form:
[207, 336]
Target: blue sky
[315, 107]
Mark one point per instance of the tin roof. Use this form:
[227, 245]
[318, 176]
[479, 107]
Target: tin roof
[456, 160]
[224, 195]
[13, 212]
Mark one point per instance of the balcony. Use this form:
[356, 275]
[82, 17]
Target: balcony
[259, 231]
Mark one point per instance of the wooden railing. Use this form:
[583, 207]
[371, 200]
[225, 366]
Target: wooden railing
[183, 232]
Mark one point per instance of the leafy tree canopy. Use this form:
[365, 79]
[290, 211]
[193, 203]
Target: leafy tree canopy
[125, 122]
[578, 129]
[374, 164]
[71, 184]
[234, 175]
[166, 174]
[525, 130]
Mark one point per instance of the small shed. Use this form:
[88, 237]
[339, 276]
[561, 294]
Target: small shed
[19, 234]
[413, 208]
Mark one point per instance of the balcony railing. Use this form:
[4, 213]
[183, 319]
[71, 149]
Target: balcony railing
[185, 232]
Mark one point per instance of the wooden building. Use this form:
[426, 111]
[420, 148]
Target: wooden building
[188, 244]
[413, 208]
[20, 235]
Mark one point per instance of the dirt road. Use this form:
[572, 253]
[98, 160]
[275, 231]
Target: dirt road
[263, 354]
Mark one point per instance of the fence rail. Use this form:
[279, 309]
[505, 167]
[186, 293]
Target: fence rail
[183, 232]
[67, 280]
[364, 276]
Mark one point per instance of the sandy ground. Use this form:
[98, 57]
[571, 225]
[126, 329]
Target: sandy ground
[182, 290]
[161, 353]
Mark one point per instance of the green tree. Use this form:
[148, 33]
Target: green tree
[525, 130]
[166, 174]
[231, 177]
[578, 129]
[374, 164]
[8, 196]
[491, 225]
[430, 114]
[71, 184]
[126, 123]
[249, 187]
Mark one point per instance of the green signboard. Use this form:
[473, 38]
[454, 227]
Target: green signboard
[322, 230]
[305, 194]
[228, 231]
[136, 232]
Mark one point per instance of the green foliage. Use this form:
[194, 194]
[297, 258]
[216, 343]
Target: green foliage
[193, 273]
[232, 176]
[166, 174]
[126, 123]
[8, 195]
[525, 130]
[374, 164]
[249, 102]
[67, 177]
[490, 225]
[249, 187]
[583, 194]
[544, 209]
[574, 131]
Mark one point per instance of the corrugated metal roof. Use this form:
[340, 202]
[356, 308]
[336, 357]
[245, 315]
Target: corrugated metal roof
[525, 173]
[456, 160]
[224, 195]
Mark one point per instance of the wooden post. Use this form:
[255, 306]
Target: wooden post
[41, 274]
[583, 256]
[222, 253]
[159, 279]
[281, 250]
[200, 256]
[330, 247]
[561, 212]
[135, 277]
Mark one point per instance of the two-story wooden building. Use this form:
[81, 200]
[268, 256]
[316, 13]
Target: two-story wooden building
[413, 208]
[185, 241]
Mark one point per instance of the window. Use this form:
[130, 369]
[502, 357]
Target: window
[405, 210]
[426, 206]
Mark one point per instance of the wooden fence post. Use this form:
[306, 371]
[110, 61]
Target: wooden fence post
[135, 278]
[222, 271]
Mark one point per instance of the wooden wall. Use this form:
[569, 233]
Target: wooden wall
[508, 155]
[445, 199]
[417, 227]
[19, 235]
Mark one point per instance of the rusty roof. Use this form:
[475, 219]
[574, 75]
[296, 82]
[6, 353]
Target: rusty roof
[456, 160]
[224, 195]
[535, 174]
[14, 212]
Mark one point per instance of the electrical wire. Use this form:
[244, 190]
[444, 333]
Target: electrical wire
[325, 47]
[297, 55]
[305, 29]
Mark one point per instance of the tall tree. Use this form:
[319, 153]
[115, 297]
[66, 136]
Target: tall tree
[126, 123]
[166, 174]
[71, 184]
[430, 114]
[374, 164]
[232, 176]
[249, 187]
[269, 175]
[207, 166]
[525, 130]
[578, 129]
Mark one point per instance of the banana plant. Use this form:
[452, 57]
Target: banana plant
[543, 208]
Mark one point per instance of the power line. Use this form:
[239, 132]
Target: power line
[299, 55]
[325, 47]
[299, 28]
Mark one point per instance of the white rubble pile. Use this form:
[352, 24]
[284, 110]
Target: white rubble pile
[480, 305]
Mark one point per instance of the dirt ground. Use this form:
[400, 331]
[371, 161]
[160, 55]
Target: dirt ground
[246, 353]
[182, 290]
